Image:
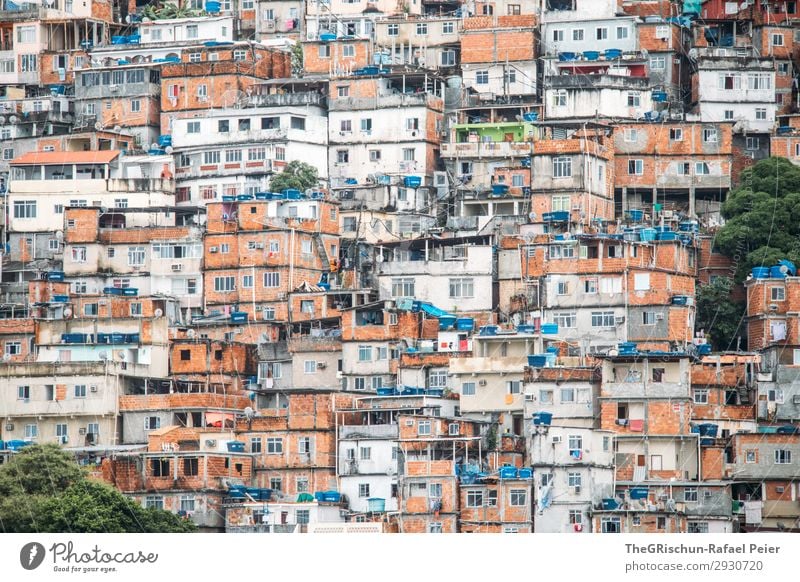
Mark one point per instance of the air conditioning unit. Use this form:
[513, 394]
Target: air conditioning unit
[796, 399]
[556, 439]
[409, 422]
[281, 296]
[211, 443]
[113, 88]
[322, 365]
[659, 316]
[213, 250]
[93, 388]
[482, 383]
[9, 426]
[82, 431]
[177, 268]
[530, 398]
[773, 307]
[577, 489]
[667, 214]
[339, 375]
[259, 245]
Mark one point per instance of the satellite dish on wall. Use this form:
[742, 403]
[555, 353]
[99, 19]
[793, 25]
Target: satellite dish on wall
[190, 334]
[103, 356]
[158, 312]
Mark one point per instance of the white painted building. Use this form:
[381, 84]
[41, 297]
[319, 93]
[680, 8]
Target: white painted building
[193, 30]
[574, 471]
[736, 85]
[454, 275]
[368, 465]
[230, 152]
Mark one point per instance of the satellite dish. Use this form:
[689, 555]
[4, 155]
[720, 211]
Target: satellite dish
[249, 413]
[13, 119]
[532, 216]
[103, 356]
[6, 357]
[98, 126]
[158, 312]
[67, 312]
[154, 146]
[379, 259]
[121, 356]
[60, 234]
[128, 19]
[783, 269]
[190, 334]
[117, 128]
[168, 149]
[2, 119]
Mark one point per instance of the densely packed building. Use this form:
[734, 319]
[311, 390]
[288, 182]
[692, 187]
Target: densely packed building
[471, 308]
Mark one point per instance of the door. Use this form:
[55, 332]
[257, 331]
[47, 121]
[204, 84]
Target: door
[640, 460]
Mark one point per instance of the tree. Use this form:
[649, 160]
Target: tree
[720, 316]
[295, 176]
[42, 489]
[762, 217]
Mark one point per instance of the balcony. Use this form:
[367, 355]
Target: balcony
[386, 101]
[596, 82]
[501, 149]
[132, 402]
[374, 431]
[200, 170]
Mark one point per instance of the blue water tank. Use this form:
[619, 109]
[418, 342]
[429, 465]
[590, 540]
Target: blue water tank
[526, 473]
[212, 6]
[508, 472]
[376, 504]
[776, 272]
[238, 316]
[760, 272]
[542, 418]
[412, 181]
[537, 361]
[235, 447]
[549, 328]
[591, 55]
[465, 324]
[489, 330]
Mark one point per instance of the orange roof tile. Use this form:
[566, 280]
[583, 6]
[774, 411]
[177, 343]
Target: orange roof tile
[60, 158]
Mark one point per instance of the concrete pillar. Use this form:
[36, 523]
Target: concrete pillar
[692, 210]
[624, 200]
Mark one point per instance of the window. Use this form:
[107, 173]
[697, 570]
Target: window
[348, 50]
[424, 428]
[310, 367]
[641, 282]
[191, 31]
[574, 479]
[304, 445]
[274, 446]
[422, 29]
[658, 63]
[211, 157]
[697, 527]
[634, 99]
[778, 293]
[364, 353]
[462, 288]
[80, 390]
[342, 156]
[560, 98]
[759, 81]
[468, 389]
[255, 444]
[482, 77]
[448, 58]
[710, 135]
[393, 30]
[202, 92]
[658, 374]
[24, 209]
[514, 387]
[649, 318]
[135, 256]
[601, 33]
[346, 126]
[474, 498]
[160, 467]
[90, 309]
[31, 431]
[690, 494]
[365, 453]
[602, 319]
[324, 51]
[575, 516]
[29, 63]
[700, 396]
[590, 286]
[402, 287]
[24, 393]
[783, 457]
[630, 134]
[136, 309]
[635, 167]
[8, 154]
[558, 36]
[753, 143]
[518, 498]
[437, 378]
[577, 34]
[272, 279]
[622, 32]
[13, 348]
[563, 286]
[301, 484]
[363, 489]
[448, 28]
[565, 319]
[193, 127]
[408, 154]
[224, 284]
[562, 167]
[610, 525]
[26, 34]
[701, 169]
[750, 456]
